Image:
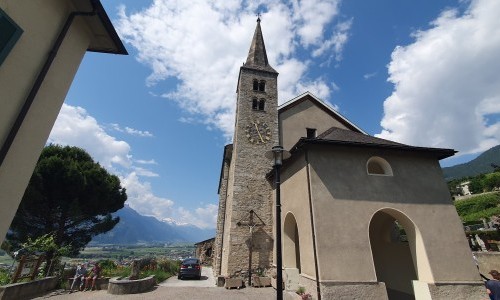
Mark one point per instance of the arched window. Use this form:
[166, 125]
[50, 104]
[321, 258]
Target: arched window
[255, 104]
[378, 166]
[255, 85]
[262, 86]
[262, 103]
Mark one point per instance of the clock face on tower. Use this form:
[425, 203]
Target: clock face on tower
[258, 132]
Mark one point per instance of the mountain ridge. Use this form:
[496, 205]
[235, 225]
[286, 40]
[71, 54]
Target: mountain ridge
[135, 228]
[479, 165]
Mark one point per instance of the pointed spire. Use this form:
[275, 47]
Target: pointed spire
[257, 56]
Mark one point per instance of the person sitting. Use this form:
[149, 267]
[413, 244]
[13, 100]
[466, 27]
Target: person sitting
[81, 271]
[493, 285]
[94, 274]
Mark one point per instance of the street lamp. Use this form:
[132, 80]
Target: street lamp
[278, 154]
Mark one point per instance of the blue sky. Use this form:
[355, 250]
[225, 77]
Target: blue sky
[423, 73]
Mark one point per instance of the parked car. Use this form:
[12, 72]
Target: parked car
[190, 267]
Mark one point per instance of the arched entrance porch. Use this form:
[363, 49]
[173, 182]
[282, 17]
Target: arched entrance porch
[398, 253]
[291, 252]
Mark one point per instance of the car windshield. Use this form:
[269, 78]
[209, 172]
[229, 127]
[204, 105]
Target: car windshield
[190, 261]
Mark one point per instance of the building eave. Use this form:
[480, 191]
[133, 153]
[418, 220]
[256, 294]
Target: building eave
[440, 153]
[105, 38]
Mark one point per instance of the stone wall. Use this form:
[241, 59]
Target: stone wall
[488, 261]
[353, 290]
[124, 286]
[204, 251]
[458, 291]
[28, 290]
[221, 216]
[248, 201]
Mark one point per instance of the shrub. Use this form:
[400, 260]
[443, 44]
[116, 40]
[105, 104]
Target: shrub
[4, 277]
[169, 266]
[118, 271]
[107, 264]
[160, 275]
[476, 208]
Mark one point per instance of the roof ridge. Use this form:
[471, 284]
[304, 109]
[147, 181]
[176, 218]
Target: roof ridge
[365, 138]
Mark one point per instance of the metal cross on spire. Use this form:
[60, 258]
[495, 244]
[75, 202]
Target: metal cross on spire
[258, 16]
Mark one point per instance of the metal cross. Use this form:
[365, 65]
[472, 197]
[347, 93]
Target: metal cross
[258, 16]
[251, 224]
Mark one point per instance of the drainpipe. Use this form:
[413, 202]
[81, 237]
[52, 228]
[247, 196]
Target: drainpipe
[318, 288]
[39, 80]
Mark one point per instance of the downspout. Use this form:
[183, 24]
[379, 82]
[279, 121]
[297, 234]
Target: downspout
[315, 252]
[39, 80]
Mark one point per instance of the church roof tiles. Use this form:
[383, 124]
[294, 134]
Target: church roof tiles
[339, 136]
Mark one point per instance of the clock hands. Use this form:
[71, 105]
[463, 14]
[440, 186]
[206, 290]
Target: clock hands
[258, 131]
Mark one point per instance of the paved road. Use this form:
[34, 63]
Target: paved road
[173, 288]
[207, 280]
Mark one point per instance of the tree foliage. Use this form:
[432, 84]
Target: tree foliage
[46, 244]
[70, 197]
[477, 184]
[478, 207]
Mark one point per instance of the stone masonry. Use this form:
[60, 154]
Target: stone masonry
[245, 221]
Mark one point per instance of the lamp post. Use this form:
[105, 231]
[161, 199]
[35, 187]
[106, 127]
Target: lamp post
[278, 154]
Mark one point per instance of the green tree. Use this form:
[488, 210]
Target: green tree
[476, 185]
[70, 197]
[492, 181]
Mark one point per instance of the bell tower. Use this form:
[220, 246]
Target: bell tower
[244, 241]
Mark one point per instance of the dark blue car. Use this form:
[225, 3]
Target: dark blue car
[190, 267]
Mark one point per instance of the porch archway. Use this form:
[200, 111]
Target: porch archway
[291, 245]
[398, 253]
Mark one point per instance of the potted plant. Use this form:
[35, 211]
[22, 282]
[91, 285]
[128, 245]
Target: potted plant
[301, 291]
[259, 280]
[236, 282]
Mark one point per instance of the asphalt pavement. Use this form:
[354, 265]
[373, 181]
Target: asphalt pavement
[207, 280]
[173, 288]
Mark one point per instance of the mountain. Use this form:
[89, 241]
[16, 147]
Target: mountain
[135, 228]
[481, 164]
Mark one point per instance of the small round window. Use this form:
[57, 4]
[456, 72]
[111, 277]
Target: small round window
[378, 166]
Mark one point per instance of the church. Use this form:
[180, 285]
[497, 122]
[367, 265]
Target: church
[362, 217]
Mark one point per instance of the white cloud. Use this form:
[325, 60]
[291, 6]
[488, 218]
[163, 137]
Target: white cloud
[203, 217]
[146, 162]
[336, 42]
[142, 199]
[369, 75]
[75, 127]
[447, 83]
[131, 131]
[311, 17]
[145, 172]
[205, 56]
